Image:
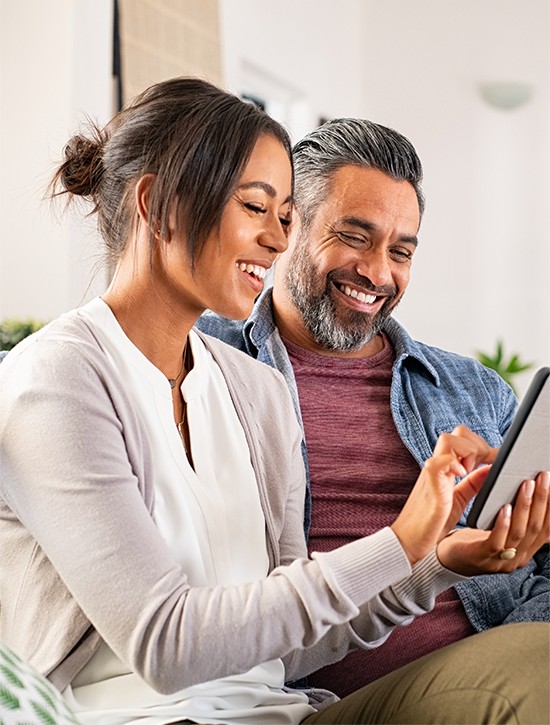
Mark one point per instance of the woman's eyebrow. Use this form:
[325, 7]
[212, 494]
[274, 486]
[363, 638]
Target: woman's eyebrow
[269, 190]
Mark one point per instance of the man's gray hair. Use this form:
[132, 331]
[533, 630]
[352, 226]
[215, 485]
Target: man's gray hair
[345, 141]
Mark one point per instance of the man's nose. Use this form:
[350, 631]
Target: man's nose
[375, 265]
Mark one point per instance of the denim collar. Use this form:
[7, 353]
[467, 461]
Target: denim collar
[408, 351]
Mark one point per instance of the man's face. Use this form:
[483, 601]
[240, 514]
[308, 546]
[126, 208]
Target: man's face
[348, 271]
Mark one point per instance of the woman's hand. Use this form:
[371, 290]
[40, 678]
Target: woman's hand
[435, 504]
[524, 528]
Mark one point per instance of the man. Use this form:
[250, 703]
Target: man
[372, 401]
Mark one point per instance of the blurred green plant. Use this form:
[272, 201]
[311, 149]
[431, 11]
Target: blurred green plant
[506, 367]
[14, 330]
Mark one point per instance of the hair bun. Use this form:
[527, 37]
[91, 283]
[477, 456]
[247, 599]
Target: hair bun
[82, 169]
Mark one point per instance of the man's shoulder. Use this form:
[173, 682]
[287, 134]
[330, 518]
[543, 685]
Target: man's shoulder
[465, 377]
[446, 367]
[442, 358]
[229, 331]
[456, 367]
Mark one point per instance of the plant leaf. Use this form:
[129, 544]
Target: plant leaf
[8, 699]
[507, 369]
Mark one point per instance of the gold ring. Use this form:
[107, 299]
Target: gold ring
[508, 553]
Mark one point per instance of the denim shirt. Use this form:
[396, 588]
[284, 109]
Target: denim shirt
[432, 391]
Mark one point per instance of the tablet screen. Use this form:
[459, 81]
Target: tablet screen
[525, 452]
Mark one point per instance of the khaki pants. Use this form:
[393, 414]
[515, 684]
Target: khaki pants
[498, 676]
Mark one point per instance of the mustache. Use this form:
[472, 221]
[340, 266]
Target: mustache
[335, 276]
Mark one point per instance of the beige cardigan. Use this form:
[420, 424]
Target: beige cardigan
[81, 556]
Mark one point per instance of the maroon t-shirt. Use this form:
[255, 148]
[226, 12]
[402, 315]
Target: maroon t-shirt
[361, 474]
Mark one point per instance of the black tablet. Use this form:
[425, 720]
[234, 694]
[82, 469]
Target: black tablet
[524, 452]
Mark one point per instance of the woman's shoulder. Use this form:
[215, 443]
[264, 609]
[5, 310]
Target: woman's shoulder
[64, 349]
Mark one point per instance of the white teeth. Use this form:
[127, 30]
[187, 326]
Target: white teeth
[361, 296]
[254, 269]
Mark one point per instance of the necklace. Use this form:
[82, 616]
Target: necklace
[179, 426]
[173, 381]
[186, 364]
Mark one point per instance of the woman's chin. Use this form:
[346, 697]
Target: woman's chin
[235, 312]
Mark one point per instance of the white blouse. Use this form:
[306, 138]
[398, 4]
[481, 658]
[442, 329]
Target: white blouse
[212, 521]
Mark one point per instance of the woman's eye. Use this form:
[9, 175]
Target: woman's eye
[255, 207]
[285, 223]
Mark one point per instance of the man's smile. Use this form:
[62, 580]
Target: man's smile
[357, 295]
[360, 298]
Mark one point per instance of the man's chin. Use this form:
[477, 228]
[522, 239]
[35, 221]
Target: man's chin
[354, 334]
[341, 338]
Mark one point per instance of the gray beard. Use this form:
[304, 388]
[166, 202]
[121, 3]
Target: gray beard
[319, 313]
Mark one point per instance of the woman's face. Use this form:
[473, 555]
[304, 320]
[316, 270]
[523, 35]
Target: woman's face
[254, 226]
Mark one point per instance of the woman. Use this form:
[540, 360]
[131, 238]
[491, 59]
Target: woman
[151, 478]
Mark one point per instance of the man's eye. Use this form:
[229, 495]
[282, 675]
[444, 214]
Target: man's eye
[401, 255]
[255, 207]
[350, 238]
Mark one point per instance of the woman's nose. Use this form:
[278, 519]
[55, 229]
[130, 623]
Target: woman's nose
[274, 236]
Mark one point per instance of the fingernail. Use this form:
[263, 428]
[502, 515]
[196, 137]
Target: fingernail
[529, 488]
[546, 481]
[507, 512]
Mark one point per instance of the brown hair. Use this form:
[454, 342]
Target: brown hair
[193, 136]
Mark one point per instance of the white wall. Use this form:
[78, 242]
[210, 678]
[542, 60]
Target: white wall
[483, 267]
[482, 270]
[300, 51]
[55, 66]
